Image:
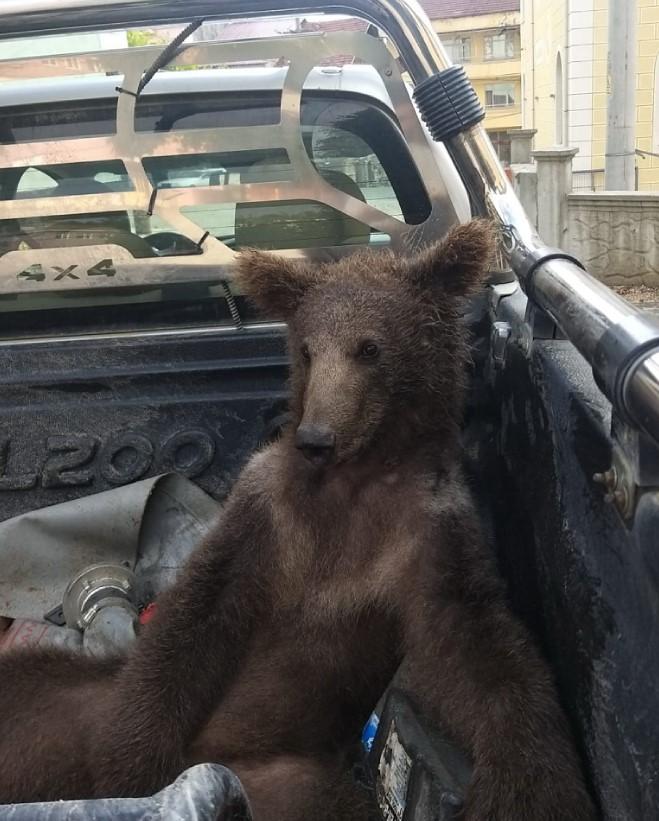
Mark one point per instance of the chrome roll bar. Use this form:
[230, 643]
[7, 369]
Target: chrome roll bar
[620, 343]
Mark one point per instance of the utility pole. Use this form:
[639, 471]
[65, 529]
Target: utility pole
[620, 174]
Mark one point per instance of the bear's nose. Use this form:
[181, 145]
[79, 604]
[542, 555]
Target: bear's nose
[316, 442]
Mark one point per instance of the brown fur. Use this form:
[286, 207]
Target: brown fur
[271, 649]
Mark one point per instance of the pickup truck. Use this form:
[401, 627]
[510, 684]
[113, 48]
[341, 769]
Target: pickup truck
[136, 380]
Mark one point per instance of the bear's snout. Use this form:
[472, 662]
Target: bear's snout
[317, 443]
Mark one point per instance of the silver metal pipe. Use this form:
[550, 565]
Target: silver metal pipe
[562, 289]
[614, 330]
[584, 309]
[642, 394]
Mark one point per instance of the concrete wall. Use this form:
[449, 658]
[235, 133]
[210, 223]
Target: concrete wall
[616, 236]
[543, 37]
[581, 69]
[561, 32]
[578, 31]
[647, 94]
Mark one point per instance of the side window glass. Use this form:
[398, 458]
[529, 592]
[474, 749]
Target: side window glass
[340, 154]
[34, 180]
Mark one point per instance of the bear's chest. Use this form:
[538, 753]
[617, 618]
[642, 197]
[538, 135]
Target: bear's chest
[337, 554]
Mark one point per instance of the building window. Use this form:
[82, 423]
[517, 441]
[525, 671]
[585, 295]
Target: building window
[459, 49]
[500, 94]
[501, 142]
[501, 46]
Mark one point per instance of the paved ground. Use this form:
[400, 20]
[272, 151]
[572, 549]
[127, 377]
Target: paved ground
[641, 295]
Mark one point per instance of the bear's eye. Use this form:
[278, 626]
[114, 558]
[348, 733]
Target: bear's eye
[306, 355]
[368, 350]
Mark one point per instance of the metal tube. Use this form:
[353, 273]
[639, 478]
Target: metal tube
[583, 308]
[631, 381]
[561, 288]
[642, 394]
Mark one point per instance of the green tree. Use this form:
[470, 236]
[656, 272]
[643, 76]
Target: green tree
[144, 37]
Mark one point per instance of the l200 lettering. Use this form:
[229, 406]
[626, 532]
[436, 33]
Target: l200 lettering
[77, 459]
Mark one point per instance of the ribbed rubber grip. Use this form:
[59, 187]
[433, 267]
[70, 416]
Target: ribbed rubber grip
[448, 103]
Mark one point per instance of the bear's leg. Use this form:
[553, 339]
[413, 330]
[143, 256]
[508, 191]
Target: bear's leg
[47, 700]
[295, 788]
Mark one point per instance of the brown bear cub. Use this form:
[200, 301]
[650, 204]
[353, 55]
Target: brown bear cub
[345, 548]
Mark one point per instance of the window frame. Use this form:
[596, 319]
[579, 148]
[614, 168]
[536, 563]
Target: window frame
[510, 51]
[502, 143]
[464, 43]
[490, 89]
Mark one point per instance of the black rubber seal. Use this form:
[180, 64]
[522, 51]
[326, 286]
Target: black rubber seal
[526, 261]
[448, 103]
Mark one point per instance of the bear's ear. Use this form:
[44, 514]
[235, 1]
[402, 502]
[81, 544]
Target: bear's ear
[457, 265]
[275, 284]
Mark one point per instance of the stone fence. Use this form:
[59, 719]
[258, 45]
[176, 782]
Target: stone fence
[615, 234]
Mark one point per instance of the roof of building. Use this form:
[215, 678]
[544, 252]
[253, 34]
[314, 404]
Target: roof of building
[334, 24]
[331, 25]
[254, 29]
[441, 9]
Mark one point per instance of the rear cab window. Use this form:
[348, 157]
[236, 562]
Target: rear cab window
[110, 222]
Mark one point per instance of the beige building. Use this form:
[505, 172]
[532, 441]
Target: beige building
[564, 87]
[484, 36]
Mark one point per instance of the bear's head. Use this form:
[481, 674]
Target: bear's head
[376, 342]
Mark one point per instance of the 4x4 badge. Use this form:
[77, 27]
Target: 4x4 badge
[36, 273]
